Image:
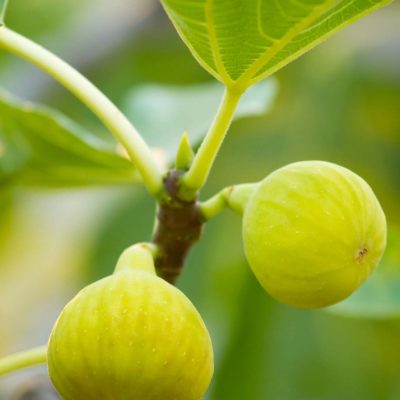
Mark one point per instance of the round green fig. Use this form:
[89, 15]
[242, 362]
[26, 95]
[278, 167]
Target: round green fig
[130, 336]
[313, 232]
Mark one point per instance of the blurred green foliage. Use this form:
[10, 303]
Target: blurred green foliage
[41, 16]
[174, 109]
[332, 105]
[40, 147]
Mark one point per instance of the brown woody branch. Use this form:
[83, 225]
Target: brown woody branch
[179, 227]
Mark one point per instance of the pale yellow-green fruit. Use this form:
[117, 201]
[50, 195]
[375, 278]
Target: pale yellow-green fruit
[130, 336]
[313, 232]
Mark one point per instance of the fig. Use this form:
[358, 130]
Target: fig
[313, 232]
[130, 336]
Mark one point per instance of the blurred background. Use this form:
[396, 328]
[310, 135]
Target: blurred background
[340, 103]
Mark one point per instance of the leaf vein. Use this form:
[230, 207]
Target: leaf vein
[214, 42]
[279, 45]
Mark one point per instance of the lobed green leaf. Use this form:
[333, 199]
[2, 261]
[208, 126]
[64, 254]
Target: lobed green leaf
[241, 42]
[41, 147]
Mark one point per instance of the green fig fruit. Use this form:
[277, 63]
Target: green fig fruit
[130, 336]
[313, 232]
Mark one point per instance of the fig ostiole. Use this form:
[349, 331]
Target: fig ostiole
[131, 336]
[313, 232]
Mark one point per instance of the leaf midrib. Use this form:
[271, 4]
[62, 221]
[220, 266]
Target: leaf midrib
[221, 70]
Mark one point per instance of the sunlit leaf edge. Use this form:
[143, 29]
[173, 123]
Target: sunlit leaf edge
[255, 78]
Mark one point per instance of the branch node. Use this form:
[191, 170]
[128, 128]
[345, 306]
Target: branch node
[179, 227]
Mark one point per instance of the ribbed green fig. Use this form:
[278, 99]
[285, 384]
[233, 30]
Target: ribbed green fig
[130, 336]
[313, 232]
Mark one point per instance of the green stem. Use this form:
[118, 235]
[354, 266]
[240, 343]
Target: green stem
[233, 197]
[94, 99]
[23, 359]
[198, 173]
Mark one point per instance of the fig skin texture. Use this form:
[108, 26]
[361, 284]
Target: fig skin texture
[313, 232]
[130, 336]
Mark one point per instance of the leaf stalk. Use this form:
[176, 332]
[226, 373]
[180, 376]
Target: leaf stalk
[24, 359]
[234, 197]
[203, 161]
[94, 99]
